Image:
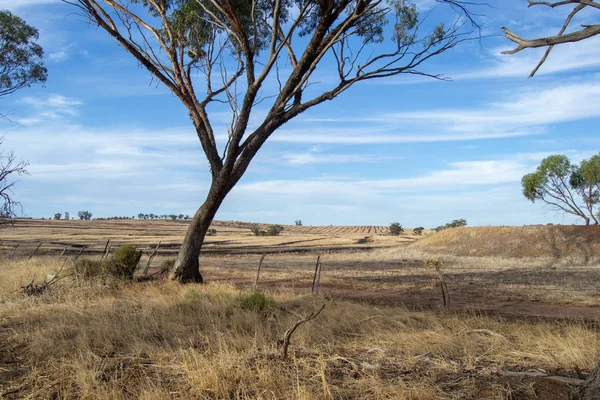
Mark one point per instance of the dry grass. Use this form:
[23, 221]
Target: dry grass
[576, 243]
[156, 340]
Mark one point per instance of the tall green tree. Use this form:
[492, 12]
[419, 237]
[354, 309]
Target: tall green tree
[565, 187]
[224, 51]
[21, 65]
[21, 58]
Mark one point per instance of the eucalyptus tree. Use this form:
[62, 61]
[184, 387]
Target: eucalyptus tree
[21, 65]
[21, 57]
[226, 51]
[566, 187]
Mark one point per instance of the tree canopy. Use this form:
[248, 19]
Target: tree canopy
[572, 189]
[21, 58]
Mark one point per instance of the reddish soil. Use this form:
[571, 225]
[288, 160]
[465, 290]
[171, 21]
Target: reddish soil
[471, 301]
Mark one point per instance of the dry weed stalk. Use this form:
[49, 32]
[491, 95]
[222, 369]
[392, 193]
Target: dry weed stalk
[435, 264]
[287, 336]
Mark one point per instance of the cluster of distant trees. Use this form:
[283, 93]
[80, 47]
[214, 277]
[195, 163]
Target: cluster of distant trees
[86, 216]
[173, 217]
[453, 224]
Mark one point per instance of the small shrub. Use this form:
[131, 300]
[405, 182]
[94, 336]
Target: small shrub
[89, 269]
[255, 301]
[274, 230]
[256, 230]
[396, 229]
[124, 261]
[298, 222]
[211, 232]
[418, 231]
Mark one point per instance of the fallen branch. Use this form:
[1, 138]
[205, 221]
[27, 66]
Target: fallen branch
[33, 289]
[287, 336]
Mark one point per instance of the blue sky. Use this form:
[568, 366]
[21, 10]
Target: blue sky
[102, 136]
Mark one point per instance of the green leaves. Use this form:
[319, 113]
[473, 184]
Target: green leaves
[21, 63]
[533, 185]
[557, 182]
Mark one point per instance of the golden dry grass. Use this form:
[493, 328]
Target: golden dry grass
[575, 242]
[109, 340]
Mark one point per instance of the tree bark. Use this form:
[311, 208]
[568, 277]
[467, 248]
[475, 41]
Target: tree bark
[590, 389]
[187, 266]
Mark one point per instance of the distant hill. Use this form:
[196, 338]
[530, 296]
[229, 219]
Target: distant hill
[557, 241]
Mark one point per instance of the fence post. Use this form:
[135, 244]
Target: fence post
[36, 249]
[315, 275]
[80, 251]
[150, 259]
[105, 253]
[258, 271]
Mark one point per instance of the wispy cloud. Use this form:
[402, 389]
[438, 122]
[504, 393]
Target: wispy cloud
[519, 113]
[569, 57]
[18, 4]
[325, 158]
[52, 107]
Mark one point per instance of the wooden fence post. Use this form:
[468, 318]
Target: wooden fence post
[258, 271]
[80, 251]
[315, 275]
[318, 279]
[150, 259]
[36, 249]
[105, 253]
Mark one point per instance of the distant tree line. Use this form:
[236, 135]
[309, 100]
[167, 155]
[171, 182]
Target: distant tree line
[86, 216]
[453, 224]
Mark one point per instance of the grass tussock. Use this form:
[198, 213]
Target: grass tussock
[155, 340]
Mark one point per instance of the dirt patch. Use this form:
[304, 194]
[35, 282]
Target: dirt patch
[465, 300]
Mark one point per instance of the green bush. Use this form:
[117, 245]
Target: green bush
[122, 264]
[274, 230]
[211, 232]
[255, 301]
[256, 230]
[418, 231]
[124, 261]
[396, 229]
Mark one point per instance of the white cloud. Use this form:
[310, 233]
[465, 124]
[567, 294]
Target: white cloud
[323, 158]
[459, 174]
[52, 107]
[534, 108]
[58, 56]
[17, 4]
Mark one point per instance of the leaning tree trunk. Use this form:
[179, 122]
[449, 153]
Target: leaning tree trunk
[187, 266]
[590, 389]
